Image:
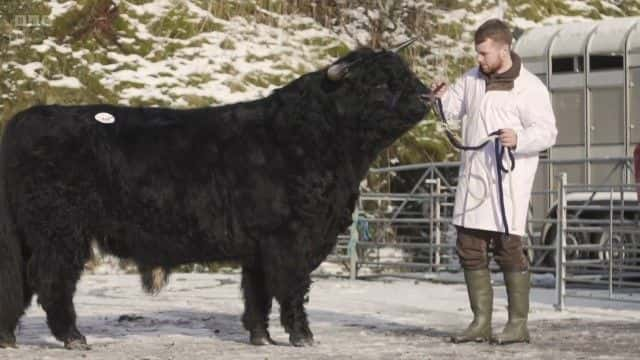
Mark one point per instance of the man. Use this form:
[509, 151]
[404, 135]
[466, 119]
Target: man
[501, 95]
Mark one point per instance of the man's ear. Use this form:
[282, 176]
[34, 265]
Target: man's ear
[505, 51]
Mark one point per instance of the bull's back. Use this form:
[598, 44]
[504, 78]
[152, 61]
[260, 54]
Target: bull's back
[150, 176]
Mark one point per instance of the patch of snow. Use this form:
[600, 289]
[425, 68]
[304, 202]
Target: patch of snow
[65, 82]
[453, 15]
[59, 8]
[157, 7]
[49, 44]
[579, 5]
[523, 23]
[31, 70]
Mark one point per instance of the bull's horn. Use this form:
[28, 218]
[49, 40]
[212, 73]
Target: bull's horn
[403, 45]
[337, 71]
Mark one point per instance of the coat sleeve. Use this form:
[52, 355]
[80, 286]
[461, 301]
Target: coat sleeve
[453, 100]
[538, 121]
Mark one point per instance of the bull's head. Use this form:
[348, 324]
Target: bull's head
[359, 105]
[376, 94]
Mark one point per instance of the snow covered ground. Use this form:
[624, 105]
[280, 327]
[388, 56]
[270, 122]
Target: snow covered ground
[198, 317]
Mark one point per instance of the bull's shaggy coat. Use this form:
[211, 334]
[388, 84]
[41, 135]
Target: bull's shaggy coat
[269, 183]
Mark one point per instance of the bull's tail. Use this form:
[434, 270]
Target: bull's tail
[154, 279]
[12, 298]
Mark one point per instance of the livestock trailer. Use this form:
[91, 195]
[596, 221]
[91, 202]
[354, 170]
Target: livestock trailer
[592, 70]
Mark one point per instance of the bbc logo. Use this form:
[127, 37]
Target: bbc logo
[32, 20]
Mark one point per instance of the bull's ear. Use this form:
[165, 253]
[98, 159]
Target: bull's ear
[337, 71]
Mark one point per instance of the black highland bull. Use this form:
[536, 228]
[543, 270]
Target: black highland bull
[268, 183]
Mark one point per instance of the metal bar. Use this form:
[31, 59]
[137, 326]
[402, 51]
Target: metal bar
[395, 264]
[583, 262]
[561, 242]
[603, 265]
[602, 207]
[618, 298]
[592, 160]
[413, 190]
[352, 247]
[611, 243]
[602, 282]
[450, 164]
[438, 235]
[587, 187]
[395, 196]
[404, 246]
[431, 228]
[399, 220]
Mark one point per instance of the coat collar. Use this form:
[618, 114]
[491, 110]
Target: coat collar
[504, 81]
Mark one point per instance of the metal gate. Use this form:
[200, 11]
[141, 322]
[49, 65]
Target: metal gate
[410, 234]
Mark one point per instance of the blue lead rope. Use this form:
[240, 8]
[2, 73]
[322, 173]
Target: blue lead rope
[500, 152]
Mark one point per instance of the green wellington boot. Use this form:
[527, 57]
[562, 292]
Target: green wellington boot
[481, 301]
[515, 331]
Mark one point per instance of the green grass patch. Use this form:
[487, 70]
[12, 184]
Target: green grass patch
[235, 86]
[198, 79]
[199, 101]
[338, 50]
[256, 58]
[227, 44]
[179, 23]
[318, 41]
[229, 69]
[264, 80]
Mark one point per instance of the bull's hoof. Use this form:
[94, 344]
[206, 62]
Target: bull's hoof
[301, 341]
[77, 344]
[7, 344]
[261, 337]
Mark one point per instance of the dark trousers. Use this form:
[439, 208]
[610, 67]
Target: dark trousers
[473, 246]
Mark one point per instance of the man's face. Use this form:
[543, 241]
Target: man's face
[491, 55]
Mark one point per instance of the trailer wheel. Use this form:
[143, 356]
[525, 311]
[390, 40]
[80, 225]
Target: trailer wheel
[573, 238]
[625, 248]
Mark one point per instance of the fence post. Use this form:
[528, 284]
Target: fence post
[437, 220]
[353, 246]
[431, 183]
[611, 243]
[561, 242]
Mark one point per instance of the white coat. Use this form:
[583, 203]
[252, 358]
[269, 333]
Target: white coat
[526, 109]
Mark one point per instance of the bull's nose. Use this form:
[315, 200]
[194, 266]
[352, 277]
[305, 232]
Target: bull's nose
[427, 97]
[422, 88]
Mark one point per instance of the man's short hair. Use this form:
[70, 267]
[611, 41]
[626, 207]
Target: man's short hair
[494, 29]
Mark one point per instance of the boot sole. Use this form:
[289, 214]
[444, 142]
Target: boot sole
[503, 343]
[462, 341]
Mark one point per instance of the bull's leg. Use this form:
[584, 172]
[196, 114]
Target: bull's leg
[57, 300]
[292, 314]
[257, 305]
[57, 276]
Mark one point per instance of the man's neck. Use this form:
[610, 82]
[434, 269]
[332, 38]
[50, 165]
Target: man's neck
[506, 65]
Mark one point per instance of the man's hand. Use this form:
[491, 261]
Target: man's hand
[437, 91]
[508, 138]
